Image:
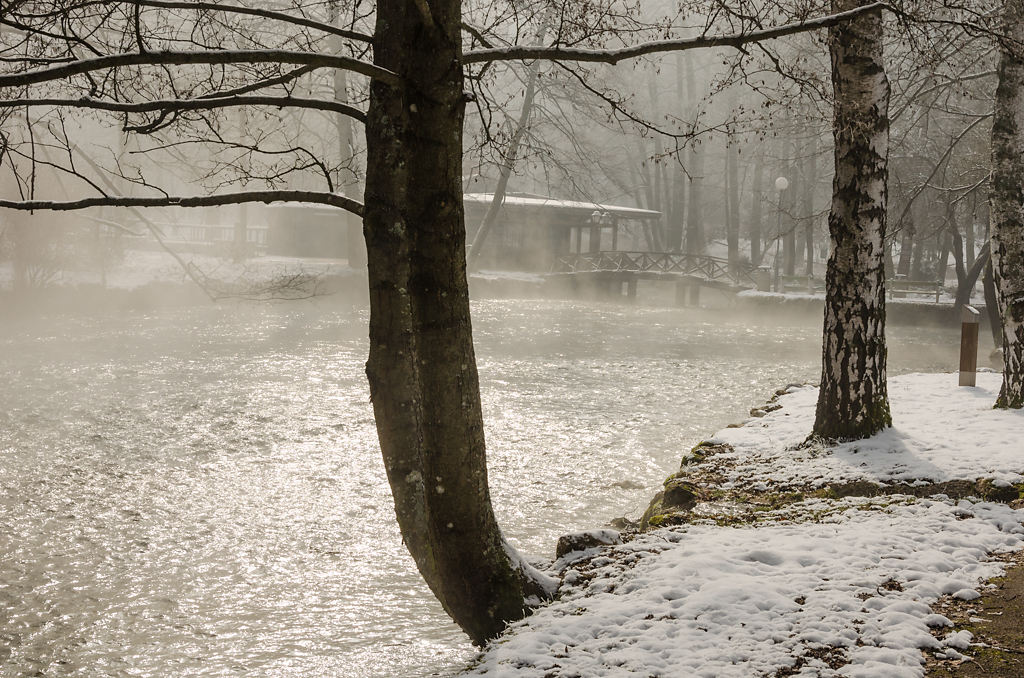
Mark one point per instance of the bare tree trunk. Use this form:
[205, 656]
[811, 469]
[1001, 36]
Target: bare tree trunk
[695, 241]
[789, 223]
[920, 243]
[1008, 202]
[906, 245]
[992, 304]
[354, 243]
[674, 230]
[966, 286]
[957, 244]
[970, 235]
[421, 368]
[811, 173]
[853, 400]
[732, 234]
[507, 164]
[674, 227]
[756, 211]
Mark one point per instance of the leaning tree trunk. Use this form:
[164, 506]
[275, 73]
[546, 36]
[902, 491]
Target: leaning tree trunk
[853, 402]
[507, 163]
[1008, 202]
[421, 368]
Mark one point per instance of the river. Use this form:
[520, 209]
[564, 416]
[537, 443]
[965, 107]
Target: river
[197, 490]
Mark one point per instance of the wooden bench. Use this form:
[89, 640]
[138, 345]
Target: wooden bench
[800, 283]
[901, 287]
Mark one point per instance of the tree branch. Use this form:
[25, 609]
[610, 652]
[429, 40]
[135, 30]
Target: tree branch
[252, 11]
[319, 197]
[82, 66]
[613, 56]
[190, 104]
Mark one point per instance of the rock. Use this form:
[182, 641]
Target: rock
[997, 491]
[581, 541]
[623, 523]
[679, 494]
[704, 449]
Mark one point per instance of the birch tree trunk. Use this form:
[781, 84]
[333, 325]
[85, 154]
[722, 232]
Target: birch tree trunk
[421, 367]
[853, 402]
[1008, 202]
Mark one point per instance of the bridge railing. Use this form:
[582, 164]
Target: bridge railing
[683, 263]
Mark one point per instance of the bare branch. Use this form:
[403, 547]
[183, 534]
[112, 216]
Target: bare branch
[332, 199]
[253, 11]
[190, 104]
[82, 66]
[613, 56]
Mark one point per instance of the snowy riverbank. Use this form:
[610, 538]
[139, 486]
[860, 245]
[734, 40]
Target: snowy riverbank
[812, 585]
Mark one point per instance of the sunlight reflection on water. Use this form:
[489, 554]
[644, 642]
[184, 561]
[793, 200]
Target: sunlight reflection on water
[199, 491]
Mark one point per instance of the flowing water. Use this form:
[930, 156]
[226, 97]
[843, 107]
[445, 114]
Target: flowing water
[198, 491]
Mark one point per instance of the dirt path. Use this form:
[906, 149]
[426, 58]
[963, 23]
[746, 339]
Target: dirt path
[996, 619]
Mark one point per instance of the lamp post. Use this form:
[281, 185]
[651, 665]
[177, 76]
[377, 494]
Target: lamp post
[781, 184]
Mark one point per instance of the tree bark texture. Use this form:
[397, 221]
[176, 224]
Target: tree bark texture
[421, 367]
[853, 401]
[1007, 200]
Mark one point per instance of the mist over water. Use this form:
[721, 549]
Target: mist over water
[198, 490]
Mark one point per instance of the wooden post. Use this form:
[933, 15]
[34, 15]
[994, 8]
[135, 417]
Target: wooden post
[969, 346]
[694, 294]
[631, 289]
[681, 293]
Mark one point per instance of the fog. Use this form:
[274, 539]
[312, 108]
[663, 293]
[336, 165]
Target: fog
[195, 488]
[190, 477]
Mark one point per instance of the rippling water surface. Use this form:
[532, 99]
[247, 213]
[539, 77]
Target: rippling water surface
[199, 491]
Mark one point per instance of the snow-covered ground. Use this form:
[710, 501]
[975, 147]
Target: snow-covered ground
[940, 432]
[818, 588]
[143, 267]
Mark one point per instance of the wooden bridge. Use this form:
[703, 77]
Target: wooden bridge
[615, 273]
[713, 271]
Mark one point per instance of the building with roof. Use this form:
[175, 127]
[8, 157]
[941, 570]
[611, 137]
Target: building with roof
[532, 231]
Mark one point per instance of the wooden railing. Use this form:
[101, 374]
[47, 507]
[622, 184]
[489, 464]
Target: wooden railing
[681, 263]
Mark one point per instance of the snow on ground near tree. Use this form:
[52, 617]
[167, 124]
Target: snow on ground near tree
[820, 588]
[940, 432]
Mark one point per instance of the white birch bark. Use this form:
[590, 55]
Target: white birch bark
[1007, 200]
[853, 400]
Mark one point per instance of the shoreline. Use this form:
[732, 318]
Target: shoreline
[782, 561]
[153, 279]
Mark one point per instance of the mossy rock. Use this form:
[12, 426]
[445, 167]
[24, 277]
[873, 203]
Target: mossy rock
[653, 509]
[680, 494]
[703, 450]
[992, 492]
[667, 519]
